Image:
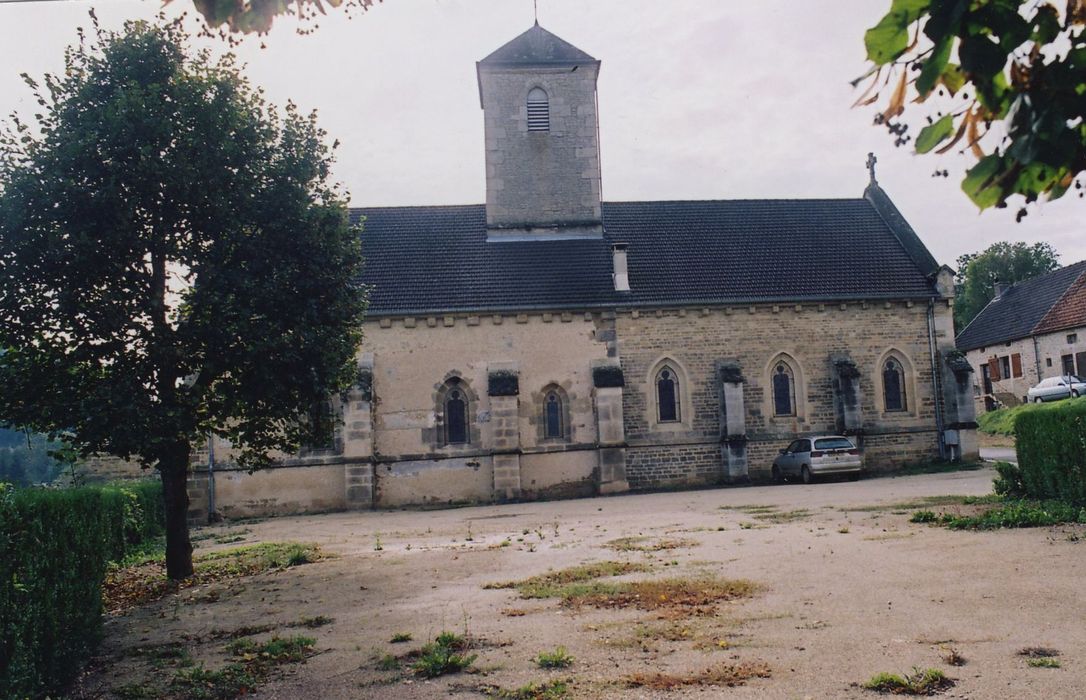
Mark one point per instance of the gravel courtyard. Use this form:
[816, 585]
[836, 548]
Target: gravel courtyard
[846, 587]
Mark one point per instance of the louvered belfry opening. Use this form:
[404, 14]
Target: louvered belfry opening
[539, 112]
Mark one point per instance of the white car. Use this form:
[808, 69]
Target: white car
[815, 456]
[1056, 388]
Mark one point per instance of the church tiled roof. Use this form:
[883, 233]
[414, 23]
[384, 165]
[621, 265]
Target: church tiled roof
[1029, 307]
[536, 47]
[430, 260]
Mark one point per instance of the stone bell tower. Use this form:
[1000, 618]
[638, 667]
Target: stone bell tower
[538, 95]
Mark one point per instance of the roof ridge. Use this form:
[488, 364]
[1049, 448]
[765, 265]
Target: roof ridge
[1039, 278]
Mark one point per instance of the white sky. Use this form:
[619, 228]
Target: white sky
[699, 99]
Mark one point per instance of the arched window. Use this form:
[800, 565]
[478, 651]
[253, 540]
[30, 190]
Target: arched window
[893, 385]
[539, 111]
[456, 416]
[784, 390]
[552, 416]
[667, 395]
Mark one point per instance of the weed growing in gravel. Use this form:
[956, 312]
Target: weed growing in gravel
[314, 622]
[256, 661]
[645, 544]
[953, 658]
[1044, 662]
[919, 682]
[559, 658]
[275, 650]
[547, 690]
[388, 662]
[400, 638]
[1010, 514]
[724, 675]
[443, 655]
[553, 584]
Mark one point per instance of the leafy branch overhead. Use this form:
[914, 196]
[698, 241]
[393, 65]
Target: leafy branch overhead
[1004, 79]
[231, 17]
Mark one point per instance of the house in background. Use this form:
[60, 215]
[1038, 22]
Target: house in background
[1028, 332]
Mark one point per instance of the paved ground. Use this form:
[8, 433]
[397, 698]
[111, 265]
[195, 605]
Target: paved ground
[999, 454]
[851, 588]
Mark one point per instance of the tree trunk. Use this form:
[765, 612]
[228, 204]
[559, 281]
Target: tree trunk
[174, 469]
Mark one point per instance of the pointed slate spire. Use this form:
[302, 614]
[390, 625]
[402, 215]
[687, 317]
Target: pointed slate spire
[537, 47]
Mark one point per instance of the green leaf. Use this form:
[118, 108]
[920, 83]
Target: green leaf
[934, 67]
[933, 134]
[952, 78]
[981, 56]
[890, 37]
[978, 182]
[1046, 24]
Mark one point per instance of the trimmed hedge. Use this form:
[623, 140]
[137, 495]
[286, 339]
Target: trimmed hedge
[1051, 445]
[55, 545]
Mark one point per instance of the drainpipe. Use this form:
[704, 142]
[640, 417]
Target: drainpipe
[935, 378]
[211, 478]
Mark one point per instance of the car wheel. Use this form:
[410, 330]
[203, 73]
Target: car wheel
[776, 473]
[805, 473]
[1038, 400]
[1074, 393]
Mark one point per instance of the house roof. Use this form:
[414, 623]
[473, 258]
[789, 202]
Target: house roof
[1028, 308]
[431, 260]
[536, 47]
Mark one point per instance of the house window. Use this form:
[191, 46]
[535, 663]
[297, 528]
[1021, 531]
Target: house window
[1068, 362]
[667, 396]
[539, 112]
[552, 416]
[1048, 362]
[1005, 367]
[893, 385]
[784, 390]
[1072, 338]
[456, 416]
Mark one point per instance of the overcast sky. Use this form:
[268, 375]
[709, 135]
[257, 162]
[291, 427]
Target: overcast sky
[699, 99]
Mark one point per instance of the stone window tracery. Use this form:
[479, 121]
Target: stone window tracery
[784, 389]
[552, 416]
[455, 405]
[893, 386]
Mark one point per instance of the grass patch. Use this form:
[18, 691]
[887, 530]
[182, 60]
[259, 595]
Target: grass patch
[646, 544]
[255, 662]
[926, 502]
[444, 655]
[724, 675]
[1038, 652]
[559, 658]
[1001, 421]
[546, 690]
[689, 595]
[1043, 662]
[920, 682]
[553, 584]
[400, 638]
[140, 583]
[388, 662]
[780, 517]
[1009, 514]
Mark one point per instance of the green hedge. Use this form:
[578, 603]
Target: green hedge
[55, 545]
[1051, 444]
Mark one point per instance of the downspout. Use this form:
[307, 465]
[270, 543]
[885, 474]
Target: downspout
[211, 479]
[935, 383]
[1037, 359]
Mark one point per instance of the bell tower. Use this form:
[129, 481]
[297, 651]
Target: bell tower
[538, 95]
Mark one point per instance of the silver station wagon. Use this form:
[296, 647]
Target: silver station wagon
[810, 457]
[1056, 388]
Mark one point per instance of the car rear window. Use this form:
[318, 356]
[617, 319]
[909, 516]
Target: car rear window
[833, 444]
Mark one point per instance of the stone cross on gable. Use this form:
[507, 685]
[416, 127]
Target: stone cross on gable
[871, 160]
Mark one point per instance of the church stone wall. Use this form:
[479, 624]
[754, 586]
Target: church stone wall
[541, 178]
[694, 341]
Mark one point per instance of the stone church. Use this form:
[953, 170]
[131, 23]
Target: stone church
[550, 344]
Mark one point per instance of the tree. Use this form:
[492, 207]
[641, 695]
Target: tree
[1008, 263]
[1004, 79]
[230, 17]
[173, 263]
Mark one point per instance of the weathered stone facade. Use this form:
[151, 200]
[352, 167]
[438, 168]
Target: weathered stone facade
[560, 346]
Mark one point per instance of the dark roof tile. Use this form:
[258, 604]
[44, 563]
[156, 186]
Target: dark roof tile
[436, 259]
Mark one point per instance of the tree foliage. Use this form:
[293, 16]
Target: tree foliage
[173, 262]
[28, 458]
[232, 17]
[1004, 79]
[1008, 263]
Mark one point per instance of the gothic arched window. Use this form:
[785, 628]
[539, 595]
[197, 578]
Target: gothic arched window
[893, 385]
[784, 390]
[552, 416]
[456, 416]
[539, 111]
[667, 395]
